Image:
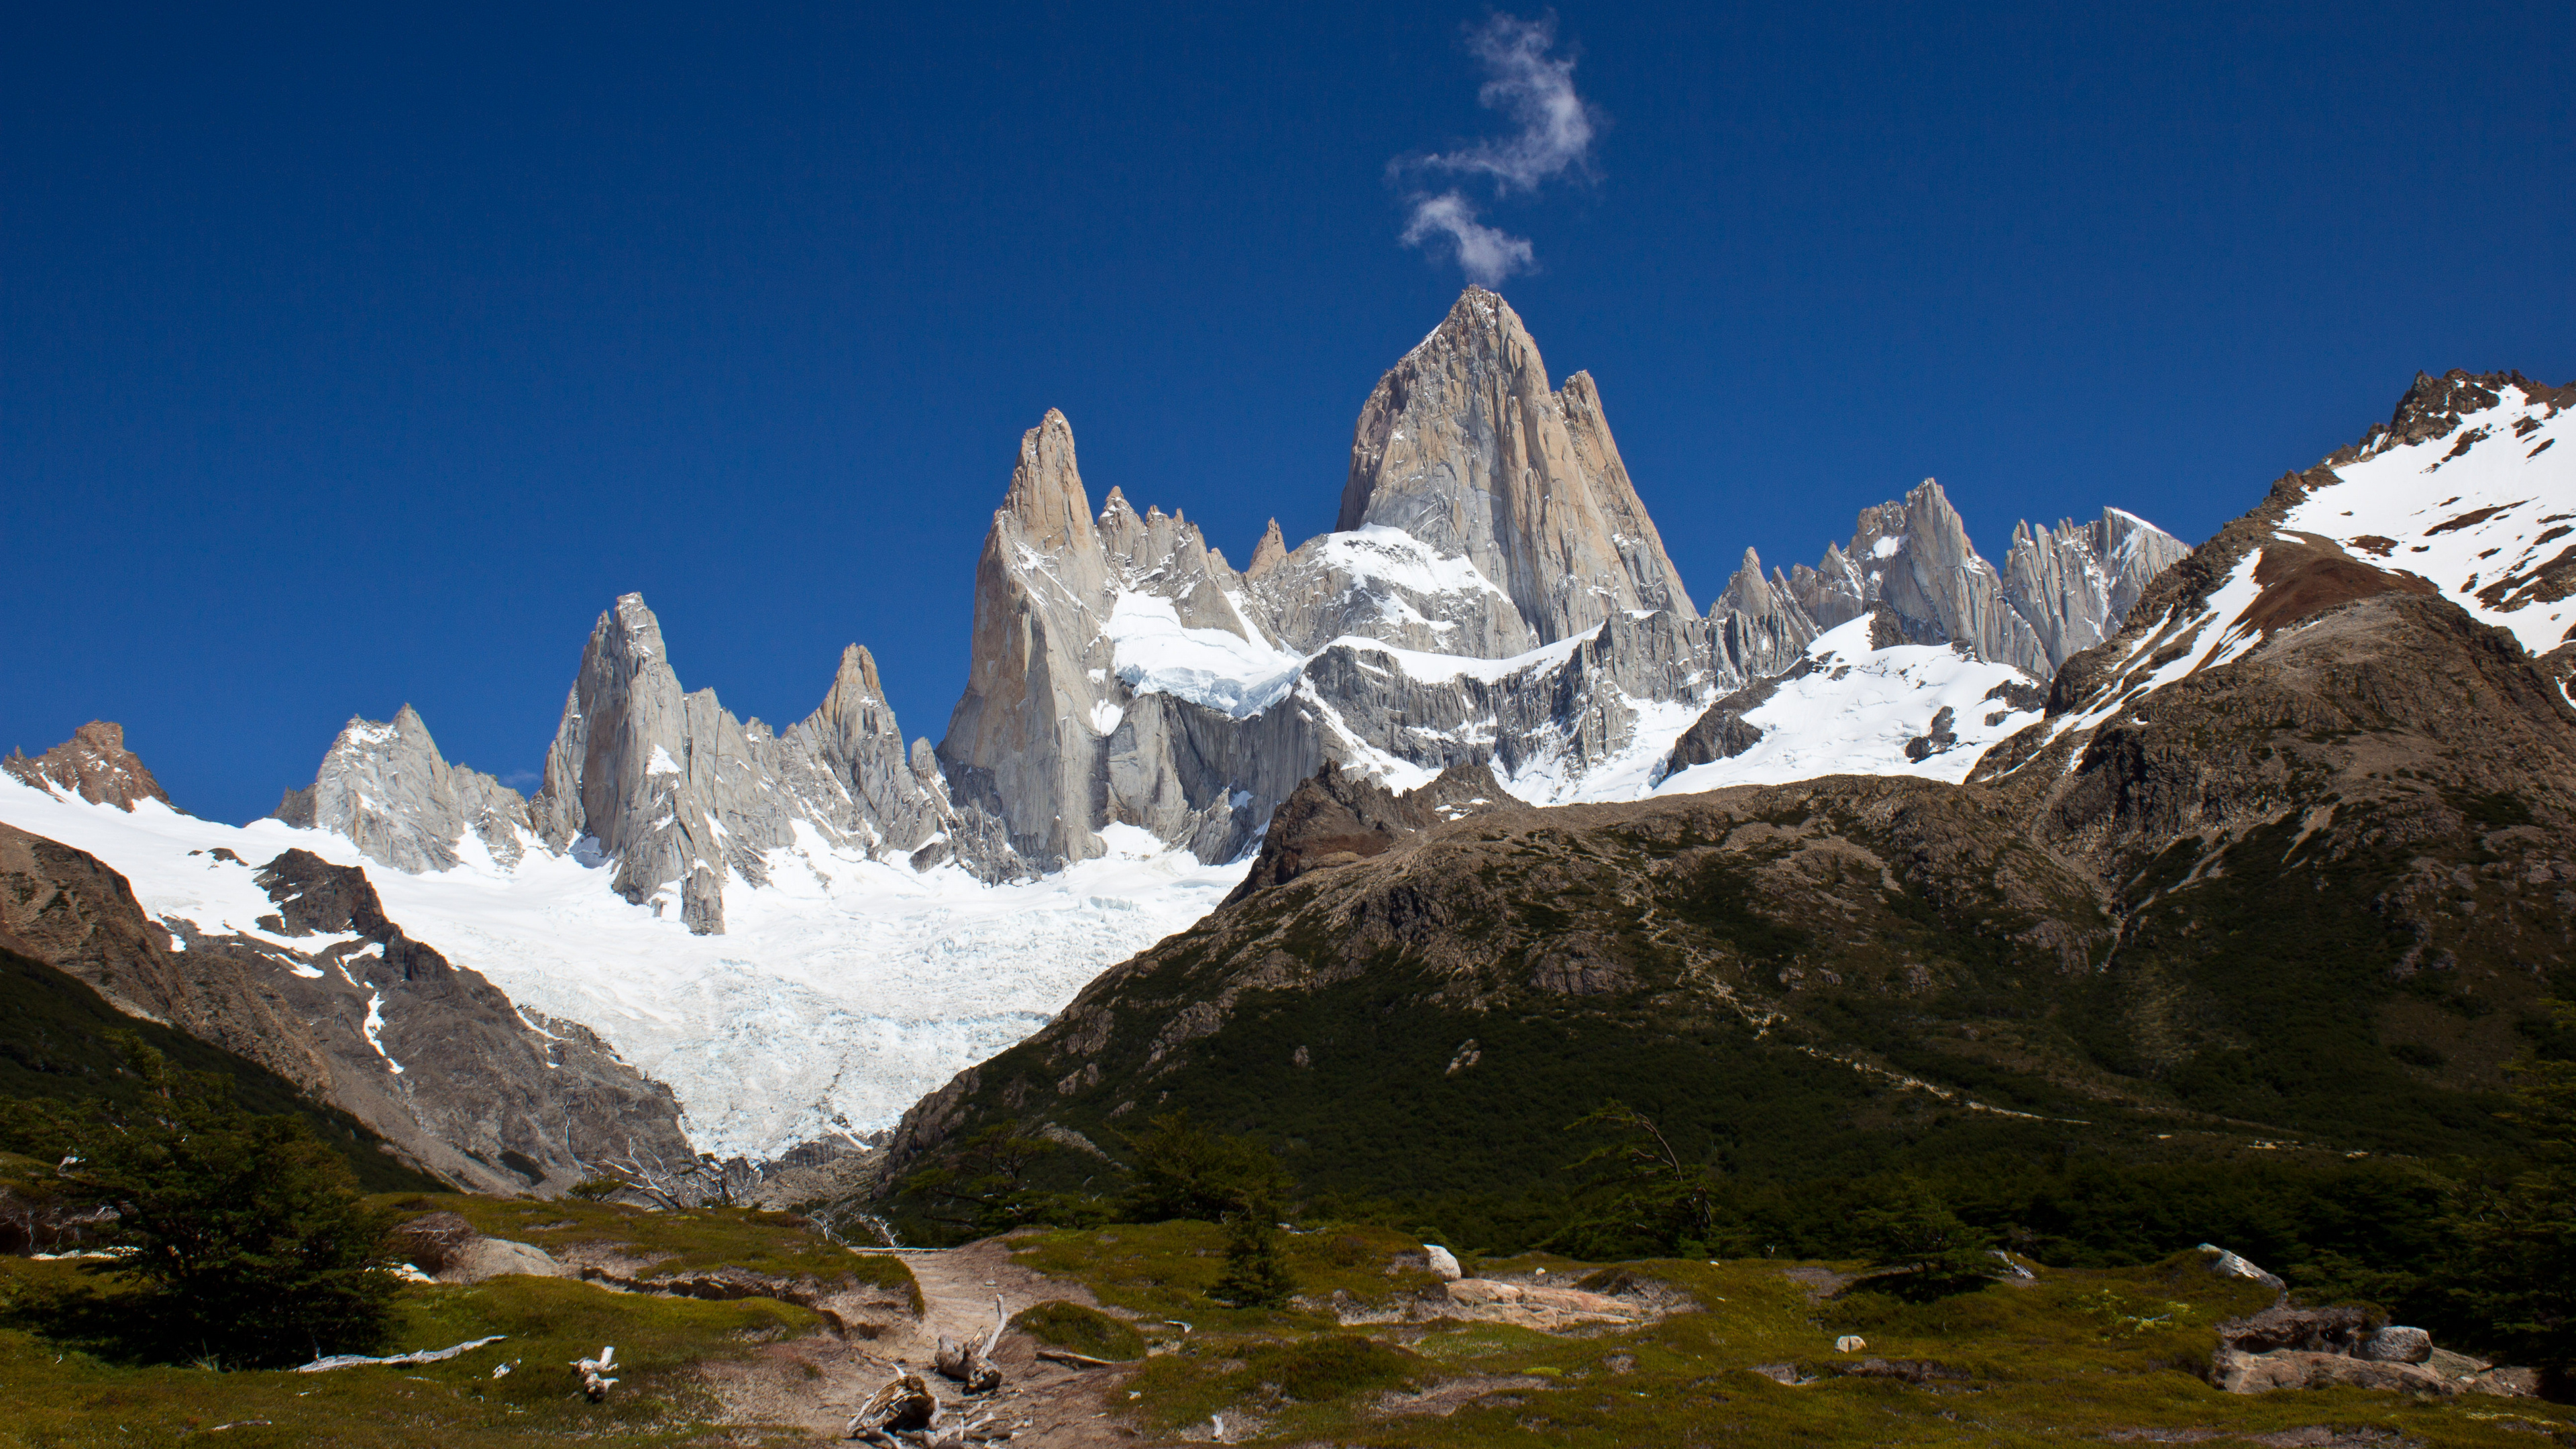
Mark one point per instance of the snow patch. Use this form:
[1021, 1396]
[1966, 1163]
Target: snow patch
[1214, 668]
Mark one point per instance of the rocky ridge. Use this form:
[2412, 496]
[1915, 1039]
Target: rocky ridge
[335, 998]
[93, 764]
[665, 785]
[1494, 591]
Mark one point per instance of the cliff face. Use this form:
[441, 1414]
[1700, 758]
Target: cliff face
[2058, 593]
[1031, 740]
[387, 788]
[1464, 448]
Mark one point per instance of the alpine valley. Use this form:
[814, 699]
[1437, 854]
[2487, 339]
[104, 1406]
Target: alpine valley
[1464, 809]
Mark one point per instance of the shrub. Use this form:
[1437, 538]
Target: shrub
[1083, 1330]
[1329, 1366]
[1253, 1277]
[1911, 1230]
[245, 1234]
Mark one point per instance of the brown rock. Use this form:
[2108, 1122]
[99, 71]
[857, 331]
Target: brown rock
[93, 764]
[2236, 1372]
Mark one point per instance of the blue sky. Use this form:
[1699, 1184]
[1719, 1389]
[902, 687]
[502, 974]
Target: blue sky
[350, 357]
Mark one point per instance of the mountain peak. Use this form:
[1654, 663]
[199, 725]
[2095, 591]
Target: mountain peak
[1266, 555]
[93, 764]
[1465, 447]
[1046, 493]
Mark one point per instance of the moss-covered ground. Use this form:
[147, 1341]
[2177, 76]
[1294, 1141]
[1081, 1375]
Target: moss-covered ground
[64, 1381]
[669, 1243]
[2075, 1356]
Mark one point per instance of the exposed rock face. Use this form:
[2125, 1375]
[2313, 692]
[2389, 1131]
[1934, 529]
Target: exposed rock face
[1761, 630]
[2234, 1371]
[1464, 448]
[2059, 592]
[1723, 732]
[2076, 585]
[1337, 817]
[433, 1058]
[2397, 1343]
[387, 788]
[93, 764]
[683, 797]
[1029, 741]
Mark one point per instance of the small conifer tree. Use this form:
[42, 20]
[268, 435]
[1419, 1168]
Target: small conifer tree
[1911, 1230]
[1254, 1276]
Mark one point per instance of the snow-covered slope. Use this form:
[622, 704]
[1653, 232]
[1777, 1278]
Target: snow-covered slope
[2463, 494]
[2485, 510]
[842, 991]
[1855, 710]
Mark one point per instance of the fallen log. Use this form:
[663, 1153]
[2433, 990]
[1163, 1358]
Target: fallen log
[426, 1355]
[970, 1363]
[595, 1382]
[1076, 1360]
[904, 1406]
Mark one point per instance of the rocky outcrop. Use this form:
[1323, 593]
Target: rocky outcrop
[1760, 628]
[2236, 1372]
[388, 790]
[335, 998]
[684, 798]
[2290, 1347]
[1338, 817]
[93, 764]
[1723, 733]
[2059, 592]
[1464, 448]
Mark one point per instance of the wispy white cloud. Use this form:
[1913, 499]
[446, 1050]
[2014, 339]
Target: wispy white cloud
[1486, 254]
[1535, 90]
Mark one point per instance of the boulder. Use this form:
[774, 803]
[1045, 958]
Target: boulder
[2227, 1265]
[1483, 1290]
[1443, 1262]
[2397, 1344]
[498, 1258]
[431, 1241]
[2237, 1372]
[2339, 1331]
